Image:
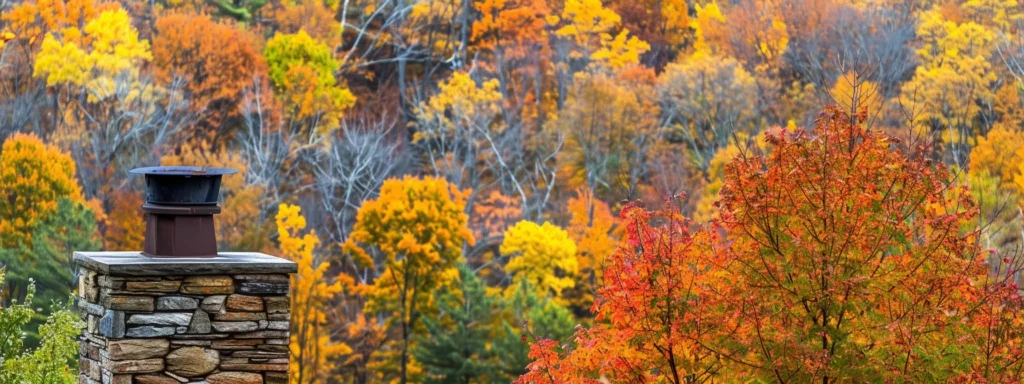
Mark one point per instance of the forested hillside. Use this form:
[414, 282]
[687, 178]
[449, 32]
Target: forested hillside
[548, 191]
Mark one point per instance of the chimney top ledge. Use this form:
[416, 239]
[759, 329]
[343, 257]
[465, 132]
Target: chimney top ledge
[139, 264]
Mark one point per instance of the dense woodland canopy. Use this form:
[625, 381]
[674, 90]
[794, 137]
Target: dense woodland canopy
[547, 191]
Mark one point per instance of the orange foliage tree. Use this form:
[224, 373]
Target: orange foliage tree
[126, 225]
[33, 176]
[514, 35]
[218, 60]
[834, 258]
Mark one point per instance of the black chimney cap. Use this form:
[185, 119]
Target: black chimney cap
[182, 185]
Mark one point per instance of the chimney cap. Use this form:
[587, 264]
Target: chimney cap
[182, 185]
[182, 170]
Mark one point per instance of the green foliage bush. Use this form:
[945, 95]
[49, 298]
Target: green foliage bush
[53, 362]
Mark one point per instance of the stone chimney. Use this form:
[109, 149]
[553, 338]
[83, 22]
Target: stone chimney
[213, 319]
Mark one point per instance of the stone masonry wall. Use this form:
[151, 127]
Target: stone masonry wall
[217, 329]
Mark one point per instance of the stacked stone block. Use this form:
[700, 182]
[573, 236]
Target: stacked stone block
[185, 328]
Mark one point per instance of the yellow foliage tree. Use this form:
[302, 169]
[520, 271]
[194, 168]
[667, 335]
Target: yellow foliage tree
[426, 17]
[4, 38]
[313, 353]
[998, 154]
[460, 101]
[1018, 177]
[620, 51]
[855, 94]
[32, 20]
[1001, 14]
[591, 26]
[709, 18]
[953, 80]
[419, 227]
[611, 125]
[711, 99]
[543, 255]
[33, 176]
[677, 20]
[459, 127]
[114, 50]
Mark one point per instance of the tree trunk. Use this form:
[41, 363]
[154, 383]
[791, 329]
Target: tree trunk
[405, 351]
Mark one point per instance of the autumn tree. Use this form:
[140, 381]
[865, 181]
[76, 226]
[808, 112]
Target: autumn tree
[418, 227]
[302, 69]
[114, 49]
[997, 154]
[897, 251]
[126, 228]
[754, 33]
[543, 254]
[664, 25]
[706, 100]
[33, 176]
[313, 351]
[952, 83]
[611, 126]
[25, 27]
[655, 310]
[864, 266]
[465, 139]
[42, 222]
[595, 30]
[111, 113]
[217, 59]
[514, 38]
[458, 130]
[4, 38]
[994, 175]
[317, 18]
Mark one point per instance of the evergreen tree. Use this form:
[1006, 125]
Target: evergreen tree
[529, 318]
[47, 261]
[456, 349]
